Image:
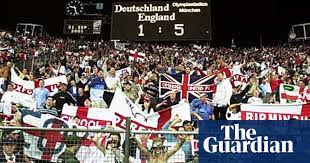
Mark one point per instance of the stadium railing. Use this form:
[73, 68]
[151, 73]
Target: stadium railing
[52, 144]
[33, 62]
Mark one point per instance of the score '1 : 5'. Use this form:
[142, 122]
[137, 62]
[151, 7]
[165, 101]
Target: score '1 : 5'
[178, 30]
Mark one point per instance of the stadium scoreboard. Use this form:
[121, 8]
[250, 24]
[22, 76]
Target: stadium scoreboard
[161, 20]
[82, 27]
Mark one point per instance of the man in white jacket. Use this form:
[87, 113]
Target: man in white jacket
[222, 96]
[10, 95]
[113, 82]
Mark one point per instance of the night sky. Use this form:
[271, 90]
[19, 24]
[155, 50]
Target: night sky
[245, 20]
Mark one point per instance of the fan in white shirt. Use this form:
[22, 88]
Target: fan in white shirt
[222, 97]
[10, 95]
[223, 92]
[112, 80]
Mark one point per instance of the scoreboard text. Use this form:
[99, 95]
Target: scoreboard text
[160, 21]
[74, 26]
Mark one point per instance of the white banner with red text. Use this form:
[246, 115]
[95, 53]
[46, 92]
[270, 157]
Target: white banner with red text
[275, 112]
[24, 89]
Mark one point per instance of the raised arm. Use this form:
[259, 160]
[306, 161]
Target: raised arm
[99, 145]
[176, 119]
[232, 107]
[203, 74]
[142, 148]
[197, 116]
[246, 90]
[105, 66]
[177, 146]
[18, 71]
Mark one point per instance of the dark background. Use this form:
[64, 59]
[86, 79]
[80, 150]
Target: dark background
[245, 20]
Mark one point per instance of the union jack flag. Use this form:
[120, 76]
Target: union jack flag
[187, 87]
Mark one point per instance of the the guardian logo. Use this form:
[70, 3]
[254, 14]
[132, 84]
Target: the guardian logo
[245, 141]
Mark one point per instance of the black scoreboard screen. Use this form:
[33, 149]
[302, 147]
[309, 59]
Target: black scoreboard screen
[161, 20]
[82, 27]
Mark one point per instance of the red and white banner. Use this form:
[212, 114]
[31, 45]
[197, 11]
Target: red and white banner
[239, 79]
[293, 94]
[52, 84]
[289, 93]
[275, 111]
[89, 117]
[182, 110]
[24, 89]
[136, 56]
[124, 107]
[94, 118]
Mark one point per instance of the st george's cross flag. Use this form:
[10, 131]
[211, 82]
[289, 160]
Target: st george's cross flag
[89, 117]
[181, 110]
[187, 87]
[136, 56]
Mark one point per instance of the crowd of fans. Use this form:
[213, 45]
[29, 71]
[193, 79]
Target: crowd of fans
[90, 67]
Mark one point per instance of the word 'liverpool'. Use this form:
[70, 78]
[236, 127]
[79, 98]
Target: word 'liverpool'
[245, 141]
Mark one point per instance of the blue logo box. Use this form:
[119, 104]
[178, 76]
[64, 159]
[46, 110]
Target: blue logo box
[254, 141]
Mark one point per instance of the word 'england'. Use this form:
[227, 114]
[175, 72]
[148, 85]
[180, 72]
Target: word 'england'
[245, 141]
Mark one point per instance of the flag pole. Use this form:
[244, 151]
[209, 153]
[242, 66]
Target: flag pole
[127, 141]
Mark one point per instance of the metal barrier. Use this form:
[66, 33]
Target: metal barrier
[32, 62]
[161, 146]
[30, 144]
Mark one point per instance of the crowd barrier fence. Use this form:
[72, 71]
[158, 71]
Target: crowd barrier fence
[53, 142]
[33, 62]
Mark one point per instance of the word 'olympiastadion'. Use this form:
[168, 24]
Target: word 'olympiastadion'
[156, 8]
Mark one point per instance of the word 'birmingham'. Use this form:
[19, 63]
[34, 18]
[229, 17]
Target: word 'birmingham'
[245, 141]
